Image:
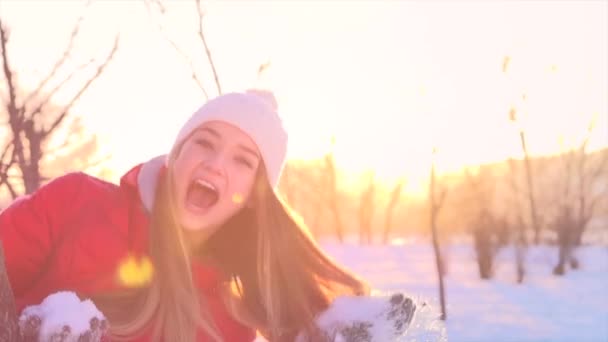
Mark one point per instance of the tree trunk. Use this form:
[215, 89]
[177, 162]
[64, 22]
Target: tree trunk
[531, 199]
[389, 212]
[9, 328]
[435, 206]
[31, 169]
[366, 212]
[520, 251]
[484, 251]
[333, 195]
[567, 230]
[439, 266]
[387, 225]
[337, 220]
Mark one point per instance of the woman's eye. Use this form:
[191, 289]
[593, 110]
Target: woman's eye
[244, 161]
[204, 143]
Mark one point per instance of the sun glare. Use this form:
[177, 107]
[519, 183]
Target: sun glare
[388, 82]
[135, 272]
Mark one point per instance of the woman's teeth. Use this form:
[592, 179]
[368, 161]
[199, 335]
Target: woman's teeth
[206, 184]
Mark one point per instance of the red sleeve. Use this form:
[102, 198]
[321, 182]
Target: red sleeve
[29, 226]
[239, 333]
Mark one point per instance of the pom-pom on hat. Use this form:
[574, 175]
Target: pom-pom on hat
[255, 112]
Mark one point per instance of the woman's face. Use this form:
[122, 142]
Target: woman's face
[213, 176]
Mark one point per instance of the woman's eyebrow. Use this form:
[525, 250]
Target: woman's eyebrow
[248, 150]
[210, 131]
[240, 146]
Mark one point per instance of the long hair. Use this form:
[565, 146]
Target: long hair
[170, 305]
[280, 278]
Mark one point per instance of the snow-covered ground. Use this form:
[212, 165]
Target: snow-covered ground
[573, 307]
[545, 308]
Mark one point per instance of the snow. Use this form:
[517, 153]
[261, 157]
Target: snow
[61, 309]
[573, 307]
[381, 317]
[352, 309]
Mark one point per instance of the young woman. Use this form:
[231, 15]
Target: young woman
[228, 256]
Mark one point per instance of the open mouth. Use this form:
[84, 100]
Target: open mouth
[202, 194]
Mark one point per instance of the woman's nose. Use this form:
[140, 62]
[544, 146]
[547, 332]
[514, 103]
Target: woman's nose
[215, 164]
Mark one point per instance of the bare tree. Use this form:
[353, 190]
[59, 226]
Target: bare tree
[34, 118]
[319, 201]
[77, 150]
[366, 209]
[305, 186]
[390, 208]
[589, 191]
[583, 190]
[564, 227]
[436, 202]
[484, 225]
[521, 241]
[6, 165]
[529, 176]
[484, 247]
[529, 180]
[158, 6]
[332, 190]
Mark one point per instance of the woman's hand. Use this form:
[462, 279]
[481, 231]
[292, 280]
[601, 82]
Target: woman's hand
[376, 318]
[30, 330]
[365, 319]
[62, 317]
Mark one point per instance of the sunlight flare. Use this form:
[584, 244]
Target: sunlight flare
[135, 272]
[237, 198]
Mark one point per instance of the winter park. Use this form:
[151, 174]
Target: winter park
[337, 171]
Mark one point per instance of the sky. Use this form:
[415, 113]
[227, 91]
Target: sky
[389, 79]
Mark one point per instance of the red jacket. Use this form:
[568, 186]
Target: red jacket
[73, 233]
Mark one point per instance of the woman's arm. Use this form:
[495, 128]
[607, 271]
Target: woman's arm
[29, 226]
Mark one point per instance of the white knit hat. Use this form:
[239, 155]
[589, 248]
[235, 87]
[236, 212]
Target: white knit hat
[253, 112]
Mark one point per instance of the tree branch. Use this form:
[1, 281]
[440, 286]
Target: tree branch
[59, 62]
[201, 34]
[10, 188]
[15, 115]
[5, 181]
[188, 60]
[66, 109]
[4, 168]
[601, 167]
[569, 166]
[262, 68]
[53, 91]
[587, 213]
[194, 75]
[8, 74]
[6, 149]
